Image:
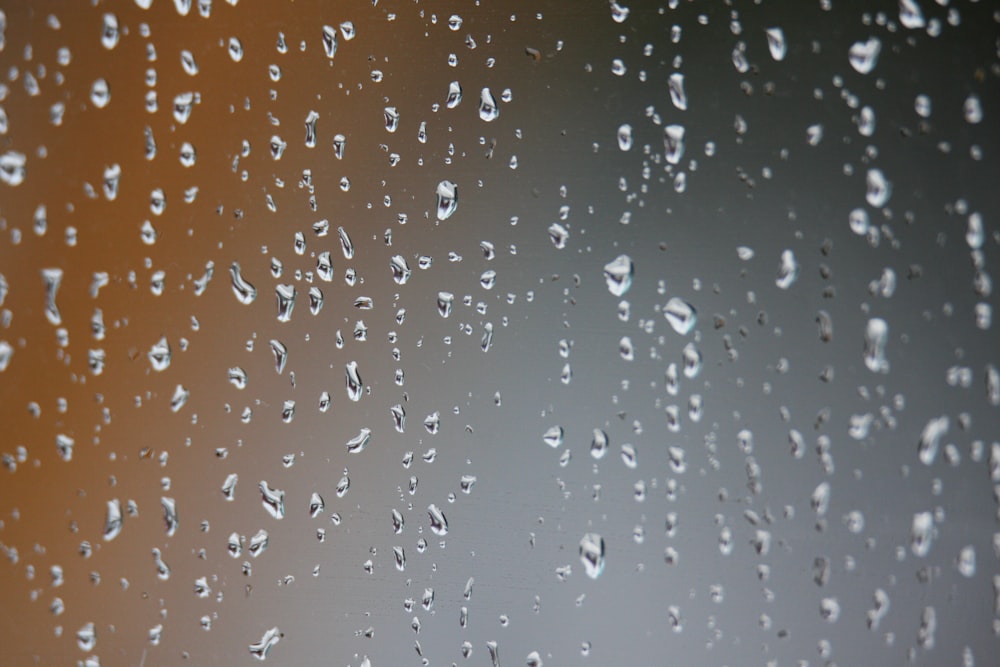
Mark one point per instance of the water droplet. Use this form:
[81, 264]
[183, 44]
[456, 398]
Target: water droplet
[829, 610]
[625, 137]
[113, 520]
[160, 355]
[553, 437]
[447, 199]
[972, 109]
[339, 143]
[100, 93]
[280, 352]
[876, 337]
[677, 94]
[599, 444]
[286, 301]
[330, 41]
[910, 15]
[788, 270]
[244, 291]
[863, 56]
[235, 49]
[360, 441]
[272, 499]
[169, 514]
[776, 43]
[439, 523]
[488, 109]
[878, 188]
[229, 486]
[454, 95]
[53, 280]
[259, 543]
[592, 554]
[967, 561]
[86, 637]
[618, 13]
[260, 649]
[930, 439]
[681, 315]
[629, 456]
[559, 235]
[444, 303]
[618, 275]
[391, 116]
[400, 269]
[12, 168]
[109, 31]
[673, 143]
[353, 381]
[922, 533]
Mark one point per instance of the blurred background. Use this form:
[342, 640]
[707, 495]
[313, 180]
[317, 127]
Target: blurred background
[433, 333]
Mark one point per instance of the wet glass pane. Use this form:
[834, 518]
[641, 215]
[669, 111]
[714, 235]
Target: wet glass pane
[391, 333]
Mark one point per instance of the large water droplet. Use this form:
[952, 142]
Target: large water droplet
[863, 56]
[245, 292]
[592, 554]
[681, 315]
[439, 523]
[776, 43]
[330, 41]
[488, 109]
[447, 199]
[618, 274]
[260, 649]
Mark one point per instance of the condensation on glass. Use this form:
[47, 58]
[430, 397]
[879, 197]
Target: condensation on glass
[404, 332]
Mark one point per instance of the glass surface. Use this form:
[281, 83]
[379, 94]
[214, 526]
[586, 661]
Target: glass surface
[401, 333]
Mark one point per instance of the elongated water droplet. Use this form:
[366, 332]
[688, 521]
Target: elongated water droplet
[876, 337]
[788, 270]
[625, 137]
[444, 303]
[53, 280]
[400, 269]
[592, 554]
[352, 378]
[272, 499]
[169, 514]
[922, 534]
[673, 143]
[245, 292]
[260, 649]
[930, 439]
[358, 443]
[280, 352]
[677, 93]
[447, 199]
[330, 41]
[454, 95]
[488, 109]
[113, 520]
[910, 15]
[229, 486]
[879, 188]
[439, 523]
[776, 43]
[286, 301]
